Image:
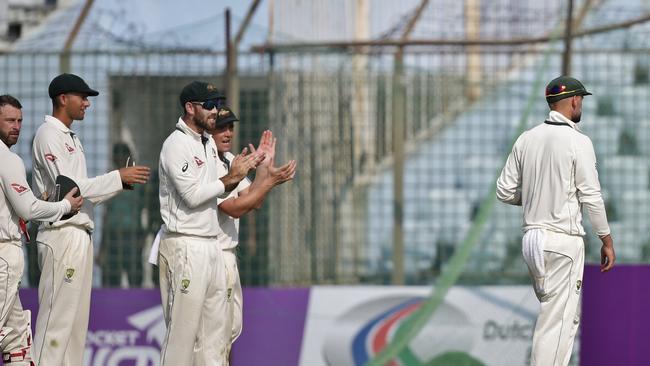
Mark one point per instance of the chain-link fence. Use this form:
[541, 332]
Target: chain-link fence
[460, 107]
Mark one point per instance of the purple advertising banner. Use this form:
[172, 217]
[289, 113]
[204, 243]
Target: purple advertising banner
[127, 326]
[615, 316]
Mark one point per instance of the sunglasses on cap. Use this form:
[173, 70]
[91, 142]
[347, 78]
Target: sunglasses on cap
[212, 103]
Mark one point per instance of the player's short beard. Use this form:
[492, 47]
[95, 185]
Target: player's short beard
[203, 123]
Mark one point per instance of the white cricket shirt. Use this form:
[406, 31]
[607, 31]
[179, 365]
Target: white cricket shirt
[17, 200]
[551, 172]
[58, 150]
[189, 183]
[230, 225]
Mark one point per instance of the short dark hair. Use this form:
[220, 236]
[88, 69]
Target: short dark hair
[7, 99]
[55, 102]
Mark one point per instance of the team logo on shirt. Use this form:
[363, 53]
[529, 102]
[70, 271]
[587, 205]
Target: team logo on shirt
[18, 188]
[70, 148]
[50, 157]
[185, 283]
[198, 161]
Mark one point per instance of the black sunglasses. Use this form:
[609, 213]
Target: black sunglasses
[212, 103]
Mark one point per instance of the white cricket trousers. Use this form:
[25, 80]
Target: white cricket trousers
[230, 260]
[196, 302]
[15, 329]
[556, 264]
[65, 255]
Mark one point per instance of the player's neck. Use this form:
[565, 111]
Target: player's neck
[63, 117]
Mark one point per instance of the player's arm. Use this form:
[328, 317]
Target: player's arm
[240, 166]
[509, 182]
[243, 200]
[23, 201]
[252, 197]
[590, 197]
[266, 171]
[588, 186]
[129, 176]
[247, 196]
[183, 173]
[54, 160]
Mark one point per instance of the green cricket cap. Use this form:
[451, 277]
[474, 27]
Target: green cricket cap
[564, 87]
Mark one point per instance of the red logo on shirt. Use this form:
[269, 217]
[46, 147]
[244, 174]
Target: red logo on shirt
[50, 157]
[18, 188]
[70, 148]
[198, 161]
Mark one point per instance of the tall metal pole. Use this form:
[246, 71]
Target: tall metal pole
[232, 81]
[399, 123]
[232, 51]
[566, 56]
[228, 73]
[473, 31]
[398, 116]
[64, 58]
[364, 132]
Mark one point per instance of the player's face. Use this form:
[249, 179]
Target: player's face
[204, 118]
[222, 136]
[75, 105]
[11, 119]
[577, 109]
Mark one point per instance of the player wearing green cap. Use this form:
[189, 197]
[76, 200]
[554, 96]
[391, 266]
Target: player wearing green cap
[551, 173]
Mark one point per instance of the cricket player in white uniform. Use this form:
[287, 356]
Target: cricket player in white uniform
[551, 172]
[193, 278]
[65, 247]
[18, 203]
[243, 199]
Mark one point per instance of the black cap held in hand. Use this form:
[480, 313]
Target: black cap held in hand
[564, 87]
[65, 185]
[70, 83]
[199, 91]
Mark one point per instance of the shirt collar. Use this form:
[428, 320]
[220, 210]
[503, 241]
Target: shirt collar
[181, 125]
[57, 124]
[555, 116]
